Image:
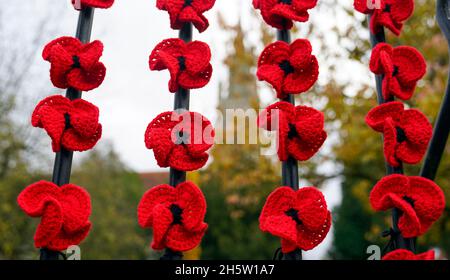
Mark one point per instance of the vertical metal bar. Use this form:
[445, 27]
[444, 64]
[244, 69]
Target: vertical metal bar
[442, 125]
[63, 159]
[181, 102]
[289, 168]
[399, 241]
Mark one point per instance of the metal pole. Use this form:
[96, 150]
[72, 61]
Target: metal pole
[398, 241]
[289, 167]
[442, 126]
[181, 102]
[63, 159]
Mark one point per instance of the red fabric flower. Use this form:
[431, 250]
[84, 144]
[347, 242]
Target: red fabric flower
[74, 64]
[300, 129]
[406, 255]
[290, 69]
[402, 67]
[390, 13]
[175, 214]
[406, 132]
[300, 218]
[180, 140]
[281, 13]
[188, 63]
[187, 11]
[420, 200]
[64, 213]
[103, 4]
[70, 124]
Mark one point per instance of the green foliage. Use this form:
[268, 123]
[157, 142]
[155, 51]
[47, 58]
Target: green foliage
[115, 193]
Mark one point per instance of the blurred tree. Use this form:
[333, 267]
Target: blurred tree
[115, 193]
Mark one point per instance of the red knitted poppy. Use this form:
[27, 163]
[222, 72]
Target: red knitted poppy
[187, 11]
[175, 214]
[188, 63]
[74, 64]
[103, 4]
[406, 132]
[180, 140]
[300, 129]
[300, 218]
[390, 13]
[406, 255]
[64, 213]
[420, 200]
[281, 13]
[71, 124]
[290, 69]
[402, 67]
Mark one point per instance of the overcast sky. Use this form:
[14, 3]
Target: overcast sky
[131, 95]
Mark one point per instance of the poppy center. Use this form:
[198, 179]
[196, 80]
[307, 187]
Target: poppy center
[395, 72]
[288, 2]
[76, 62]
[187, 3]
[67, 121]
[294, 215]
[401, 135]
[176, 213]
[409, 200]
[182, 63]
[292, 131]
[286, 66]
[387, 8]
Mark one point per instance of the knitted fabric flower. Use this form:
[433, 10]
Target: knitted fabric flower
[290, 69]
[74, 64]
[175, 214]
[406, 132]
[103, 4]
[186, 11]
[180, 140]
[300, 218]
[420, 200]
[281, 13]
[390, 13]
[64, 213]
[406, 255]
[300, 129]
[188, 63]
[402, 67]
[70, 124]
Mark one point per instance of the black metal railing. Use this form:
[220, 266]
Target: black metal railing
[442, 124]
[63, 159]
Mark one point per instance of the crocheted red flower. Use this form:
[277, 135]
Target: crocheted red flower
[402, 67]
[187, 11]
[290, 69]
[175, 214]
[300, 129]
[180, 140]
[300, 218]
[188, 63]
[406, 132]
[70, 124]
[420, 200]
[390, 13]
[74, 64]
[406, 255]
[281, 13]
[103, 4]
[64, 213]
